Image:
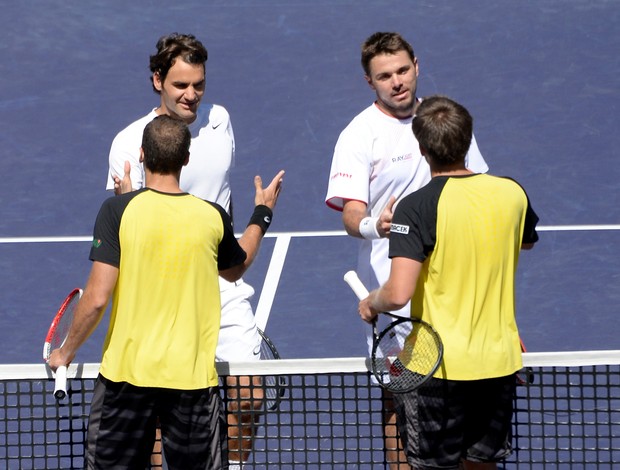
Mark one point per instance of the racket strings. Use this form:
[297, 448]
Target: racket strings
[406, 355]
[421, 350]
[61, 324]
[60, 332]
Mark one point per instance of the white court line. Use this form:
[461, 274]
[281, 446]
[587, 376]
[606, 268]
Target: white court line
[283, 239]
[45, 239]
[576, 228]
[272, 278]
[328, 233]
[88, 238]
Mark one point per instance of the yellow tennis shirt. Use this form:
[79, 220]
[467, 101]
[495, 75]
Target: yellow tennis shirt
[165, 314]
[467, 231]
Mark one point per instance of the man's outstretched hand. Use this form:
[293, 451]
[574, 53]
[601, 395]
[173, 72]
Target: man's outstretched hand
[269, 195]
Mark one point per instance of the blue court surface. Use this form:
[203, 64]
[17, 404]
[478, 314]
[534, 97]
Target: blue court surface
[541, 78]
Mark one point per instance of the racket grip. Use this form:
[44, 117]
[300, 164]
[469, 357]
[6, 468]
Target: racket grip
[356, 285]
[60, 387]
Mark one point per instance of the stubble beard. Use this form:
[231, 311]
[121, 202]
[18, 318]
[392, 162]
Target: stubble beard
[400, 109]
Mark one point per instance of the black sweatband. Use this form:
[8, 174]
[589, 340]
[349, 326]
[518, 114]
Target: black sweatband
[262, 217]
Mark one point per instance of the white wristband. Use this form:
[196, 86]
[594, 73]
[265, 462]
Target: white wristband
[368, 228]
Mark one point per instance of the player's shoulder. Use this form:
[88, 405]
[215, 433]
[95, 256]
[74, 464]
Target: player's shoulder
[218, 110]
[118, 204]
[214, 206]
[368, 123]
[135, 129]
[364, 118]
[205, 204]
[212, 114]
[125, 198]
[507, 181]
[505, 186]
[357, 131]
[432, 189]
[515, 185]
[426, 196]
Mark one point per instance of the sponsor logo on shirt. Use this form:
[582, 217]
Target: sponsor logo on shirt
[402, 158]
[397, 228]
[341, 175]
[96, 242]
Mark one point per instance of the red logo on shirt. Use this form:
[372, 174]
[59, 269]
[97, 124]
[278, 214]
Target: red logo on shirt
[341, 175]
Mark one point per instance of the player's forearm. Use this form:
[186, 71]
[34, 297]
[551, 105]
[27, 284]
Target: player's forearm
[91, 307]
[385, 299]
[400, 286]
[359, 224]
[250, 241]
[86, 319]
[377, 301]
[352, 214]
[351, 224]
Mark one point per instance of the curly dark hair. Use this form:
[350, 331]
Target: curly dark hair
[172, 46]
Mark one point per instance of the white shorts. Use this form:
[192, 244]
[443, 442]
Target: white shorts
[239, 339]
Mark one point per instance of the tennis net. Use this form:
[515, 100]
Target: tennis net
[327, 414]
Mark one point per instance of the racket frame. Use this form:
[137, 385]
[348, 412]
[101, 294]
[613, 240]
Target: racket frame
[377, 336]
[60, 377]
[352, 279]
[275, 385]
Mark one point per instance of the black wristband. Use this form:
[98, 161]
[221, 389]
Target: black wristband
[262, 217]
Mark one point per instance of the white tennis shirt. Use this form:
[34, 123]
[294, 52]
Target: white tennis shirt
[376, 157]
[212, 151]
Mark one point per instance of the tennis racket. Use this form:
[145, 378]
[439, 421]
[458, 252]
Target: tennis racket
[406, 353]
[56, 335]
[274, 385]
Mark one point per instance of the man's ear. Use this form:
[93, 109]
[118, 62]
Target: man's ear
[141, 155]
[369, 81]
[157, 81]
[186, 159]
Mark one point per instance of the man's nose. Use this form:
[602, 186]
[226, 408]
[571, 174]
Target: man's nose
[191, 94]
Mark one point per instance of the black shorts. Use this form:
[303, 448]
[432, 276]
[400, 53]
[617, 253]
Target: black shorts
[445, 421]
[121, 427]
